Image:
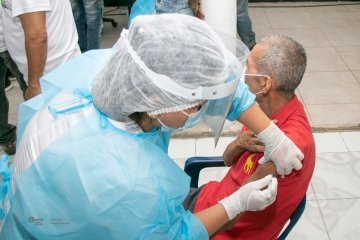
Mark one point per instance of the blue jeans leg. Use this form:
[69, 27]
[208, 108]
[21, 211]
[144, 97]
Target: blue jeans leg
[7, 131]
[93, 12]
[244, 25]
[88, 20]
[80, 22]
[171, 6]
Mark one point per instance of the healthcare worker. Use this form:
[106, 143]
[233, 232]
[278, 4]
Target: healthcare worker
[93, 164]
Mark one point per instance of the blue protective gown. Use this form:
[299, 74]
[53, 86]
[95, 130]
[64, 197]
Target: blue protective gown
[99, 182]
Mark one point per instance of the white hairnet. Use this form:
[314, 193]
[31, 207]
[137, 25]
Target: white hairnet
[181, 47]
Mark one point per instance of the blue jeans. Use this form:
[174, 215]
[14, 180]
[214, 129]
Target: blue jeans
[244, 25]
[88, 20]
[171, 6]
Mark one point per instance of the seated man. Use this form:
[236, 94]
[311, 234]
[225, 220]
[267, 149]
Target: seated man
[275, 68]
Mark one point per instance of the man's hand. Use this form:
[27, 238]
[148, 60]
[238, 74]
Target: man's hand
[246, 141]
[31, 92]
[195, 5]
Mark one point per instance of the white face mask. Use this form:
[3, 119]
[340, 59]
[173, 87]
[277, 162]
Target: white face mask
[255, 75]
[193, 118]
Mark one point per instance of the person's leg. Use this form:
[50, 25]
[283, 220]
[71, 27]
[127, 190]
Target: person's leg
[93, 12]
[7, 131]
[80, 21]
[244, 25]
[12, 67]
[191, 198]
[170, 6]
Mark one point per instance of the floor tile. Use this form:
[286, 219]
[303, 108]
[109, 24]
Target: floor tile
[181, 148]
[351, 56]
[357, 75]
[310, 194]
[290, 18]
[212, 174]
[354, 10]
[262, 32]
[180, 162]
[341, 218]
[334, 115]
[198, 128]
[337, 175]
[352, 140]
[325, 9]
[259, 18]
[315, 88]
[111, 34]
[312, 37]
[324, 59]
[335, 19]
[329, 142]
[310, 225]
[206, 146]
[343, 36]
[298, 94]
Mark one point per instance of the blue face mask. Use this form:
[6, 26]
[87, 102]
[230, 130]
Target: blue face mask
[193, 119]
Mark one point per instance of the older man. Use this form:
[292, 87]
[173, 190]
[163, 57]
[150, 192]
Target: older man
[275, 68]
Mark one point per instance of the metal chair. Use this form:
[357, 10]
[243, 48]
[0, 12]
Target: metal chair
[117, 4]
[194, 165]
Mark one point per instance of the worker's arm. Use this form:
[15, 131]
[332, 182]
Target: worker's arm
[34, 25]
[249, 197]
[260, 172]
[278, 147]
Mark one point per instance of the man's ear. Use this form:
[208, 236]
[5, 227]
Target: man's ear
[267, 84]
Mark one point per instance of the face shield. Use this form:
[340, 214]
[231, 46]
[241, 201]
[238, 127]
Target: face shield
[218, 97]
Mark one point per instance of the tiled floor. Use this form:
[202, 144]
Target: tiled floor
[331, 37]
[330, 92]
[333, 198]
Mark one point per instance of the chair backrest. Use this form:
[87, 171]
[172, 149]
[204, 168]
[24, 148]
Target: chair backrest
[194, 165]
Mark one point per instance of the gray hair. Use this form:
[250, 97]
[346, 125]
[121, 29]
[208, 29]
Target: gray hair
[284, 60]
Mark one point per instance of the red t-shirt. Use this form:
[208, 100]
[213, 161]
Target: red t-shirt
[267, 224]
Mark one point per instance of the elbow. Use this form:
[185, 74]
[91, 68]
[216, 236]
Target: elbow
[38, 38]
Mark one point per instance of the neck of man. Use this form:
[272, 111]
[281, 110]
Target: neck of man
[273, 101]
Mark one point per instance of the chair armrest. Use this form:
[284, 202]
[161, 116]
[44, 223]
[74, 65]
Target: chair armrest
[194, 165]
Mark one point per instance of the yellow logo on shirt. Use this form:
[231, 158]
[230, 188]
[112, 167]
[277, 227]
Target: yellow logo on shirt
[249, 164]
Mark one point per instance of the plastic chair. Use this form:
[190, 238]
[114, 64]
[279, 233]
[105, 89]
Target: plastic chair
[194, 165]
[117, 4]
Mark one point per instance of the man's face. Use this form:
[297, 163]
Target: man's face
[253, 81]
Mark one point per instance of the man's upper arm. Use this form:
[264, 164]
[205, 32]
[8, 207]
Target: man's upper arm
[261, 171]
[34, 24]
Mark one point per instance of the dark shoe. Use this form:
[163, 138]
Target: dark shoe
[10, 148]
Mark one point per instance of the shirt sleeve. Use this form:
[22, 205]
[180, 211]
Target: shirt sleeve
[20, 7]
[242, 100]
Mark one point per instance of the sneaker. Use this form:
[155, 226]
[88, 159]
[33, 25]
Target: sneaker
[10, 148]
[12, 78]
[8, 86]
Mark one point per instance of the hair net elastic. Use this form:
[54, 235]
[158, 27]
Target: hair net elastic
[181, 47]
